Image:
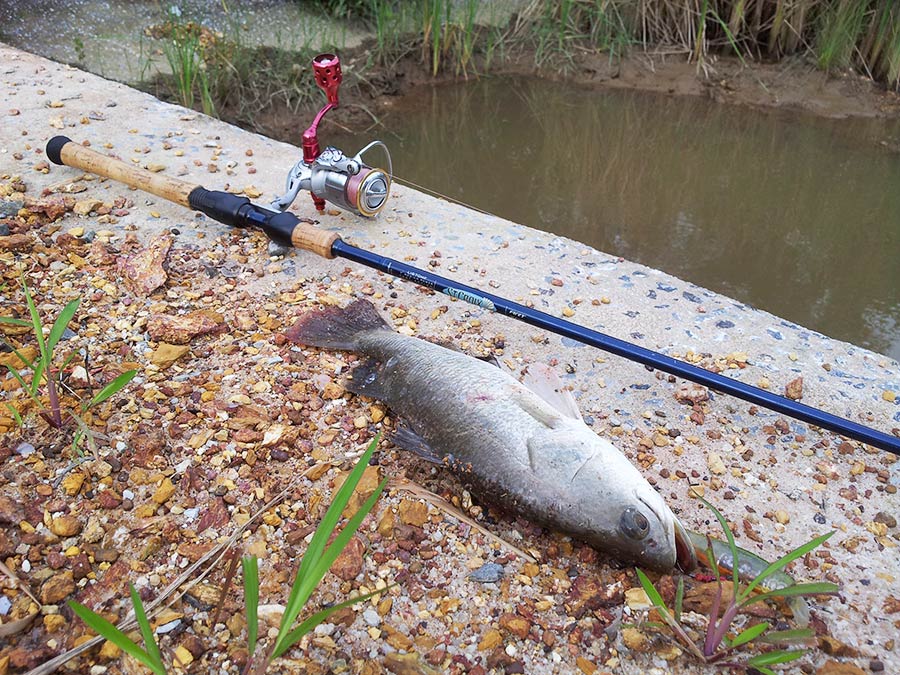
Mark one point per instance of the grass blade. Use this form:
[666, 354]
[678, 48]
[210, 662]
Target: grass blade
[250, 567]
[314, 576]
[733, 547]
[310, 623]
[301, 588]
[772, 658]
[749, 634]
[793, 635]
[652, 593]
[679, 599]
[782, 562]
[146, 631]
[35, 321]
[103, 627]
[13, 321]
[792, 591]
[62, 321]
[112, 388]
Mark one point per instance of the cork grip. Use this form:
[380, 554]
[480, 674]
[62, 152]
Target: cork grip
[314, 240]
[77, 156]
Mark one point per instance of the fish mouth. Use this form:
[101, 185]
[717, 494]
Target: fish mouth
[685, 557]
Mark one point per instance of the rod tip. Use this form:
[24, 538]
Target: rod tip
[54, 148]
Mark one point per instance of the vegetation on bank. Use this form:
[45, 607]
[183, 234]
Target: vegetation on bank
[465, 37]
[863, 34]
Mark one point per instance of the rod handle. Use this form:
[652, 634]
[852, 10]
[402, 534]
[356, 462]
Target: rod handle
[62, 150]
[280, 226]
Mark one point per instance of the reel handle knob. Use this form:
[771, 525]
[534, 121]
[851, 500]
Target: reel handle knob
[327, 71]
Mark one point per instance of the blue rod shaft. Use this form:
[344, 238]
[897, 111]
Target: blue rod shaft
[619, 347]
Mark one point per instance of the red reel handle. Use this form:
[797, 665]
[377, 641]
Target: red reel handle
[327, 70]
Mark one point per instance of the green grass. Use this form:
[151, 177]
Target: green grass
[43, 388]
[316, 561]
[726, 637]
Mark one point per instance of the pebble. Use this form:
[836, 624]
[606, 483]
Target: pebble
[488, 573]
[371, 617]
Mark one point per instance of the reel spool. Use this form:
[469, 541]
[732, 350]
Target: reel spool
[329, 175]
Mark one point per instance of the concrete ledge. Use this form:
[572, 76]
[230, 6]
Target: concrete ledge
[764, 465]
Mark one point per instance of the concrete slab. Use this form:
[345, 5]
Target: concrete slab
[749, 462]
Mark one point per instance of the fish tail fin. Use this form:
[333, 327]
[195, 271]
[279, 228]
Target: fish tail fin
[335, 327]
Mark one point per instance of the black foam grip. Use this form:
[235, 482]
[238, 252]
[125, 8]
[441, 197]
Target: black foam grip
[222, 206]
[54, 148]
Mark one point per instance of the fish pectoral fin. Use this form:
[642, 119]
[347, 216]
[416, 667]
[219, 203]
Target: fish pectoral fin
[544, 382]
[408, 439]
[365, 379]
[537, 408]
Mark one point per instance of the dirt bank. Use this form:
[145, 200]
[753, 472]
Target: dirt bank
[793, 84]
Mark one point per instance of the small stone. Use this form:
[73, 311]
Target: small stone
[165, 354]
[635, 640]
[54, 622]
[57, 588]
[85, 206]
[164, 491]
[349, 563]
[65, 526]
[109, 651]
[794, 389]
[181, 329]
[585, 666]
[515, 624]
[16, 242]
[488, 573]
[889, 396]
[182, 657]
[413, 512]
[838, 668]
[72, 483]
[492, 639]
[691, 393]
[143, 272]
[885, 519]
[782, 517]
[715, 463]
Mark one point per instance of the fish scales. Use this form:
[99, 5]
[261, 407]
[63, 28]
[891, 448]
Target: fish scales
[525, 447]
[473, 414]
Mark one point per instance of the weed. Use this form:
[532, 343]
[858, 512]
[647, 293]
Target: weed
[42, 370]
[718, 646]
[150, 656]
[316, 561]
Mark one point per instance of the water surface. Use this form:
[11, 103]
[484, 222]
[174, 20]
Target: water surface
[790, 213]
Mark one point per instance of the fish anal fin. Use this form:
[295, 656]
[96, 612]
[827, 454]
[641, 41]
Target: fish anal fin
[544, 382]
[404, 437]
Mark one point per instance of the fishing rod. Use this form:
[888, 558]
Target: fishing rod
[348, 182]
[287, 229]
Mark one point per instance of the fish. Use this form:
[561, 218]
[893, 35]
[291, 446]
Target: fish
[522, 445]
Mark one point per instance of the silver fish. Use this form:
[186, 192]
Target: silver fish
[529, 452]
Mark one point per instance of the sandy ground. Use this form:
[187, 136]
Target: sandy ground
[211, 430]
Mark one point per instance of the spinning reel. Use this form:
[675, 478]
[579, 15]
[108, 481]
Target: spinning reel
[329, 175]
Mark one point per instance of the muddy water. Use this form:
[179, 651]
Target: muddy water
[792, 214]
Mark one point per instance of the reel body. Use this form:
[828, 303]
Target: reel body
[329, 175]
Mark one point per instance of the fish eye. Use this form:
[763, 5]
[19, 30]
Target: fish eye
[634, 524]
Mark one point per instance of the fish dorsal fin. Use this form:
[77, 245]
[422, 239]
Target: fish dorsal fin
[544, 382]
